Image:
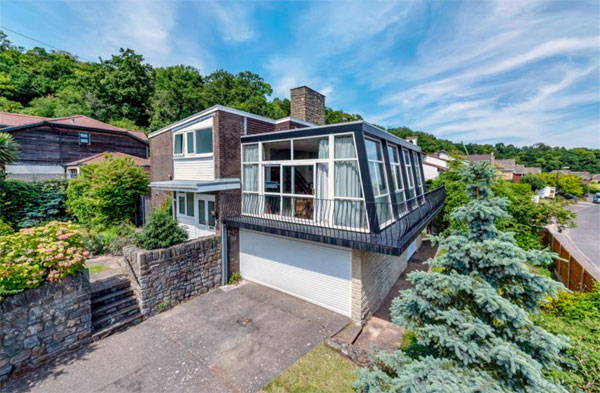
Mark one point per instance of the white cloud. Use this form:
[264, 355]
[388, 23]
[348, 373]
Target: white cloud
[233, 20]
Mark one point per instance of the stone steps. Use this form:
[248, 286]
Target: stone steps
[114, 307]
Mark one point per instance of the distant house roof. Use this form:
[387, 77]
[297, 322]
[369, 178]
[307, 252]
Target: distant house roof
[481, 157]
[506, 165]
[9, 120]
[96, 158]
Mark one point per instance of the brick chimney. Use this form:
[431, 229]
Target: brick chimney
[308, 105]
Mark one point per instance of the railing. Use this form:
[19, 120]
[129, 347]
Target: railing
[327, 219]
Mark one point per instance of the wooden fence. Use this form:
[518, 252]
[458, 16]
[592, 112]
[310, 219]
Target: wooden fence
[571, 272]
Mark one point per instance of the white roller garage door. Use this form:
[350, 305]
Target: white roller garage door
[313, 272]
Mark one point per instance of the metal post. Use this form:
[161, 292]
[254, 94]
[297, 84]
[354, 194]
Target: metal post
[224, 259]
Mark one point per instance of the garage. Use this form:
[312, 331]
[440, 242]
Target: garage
[311, 271]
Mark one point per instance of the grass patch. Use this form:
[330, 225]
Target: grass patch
[93, 269]
[321, 370]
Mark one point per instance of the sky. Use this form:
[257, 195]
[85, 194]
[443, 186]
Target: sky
[511, 71]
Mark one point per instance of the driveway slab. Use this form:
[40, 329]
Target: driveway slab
[233, 341]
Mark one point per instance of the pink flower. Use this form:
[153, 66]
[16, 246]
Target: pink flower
[63, 237]
[86, 253]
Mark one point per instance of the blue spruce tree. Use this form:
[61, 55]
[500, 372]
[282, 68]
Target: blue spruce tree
[471, 312]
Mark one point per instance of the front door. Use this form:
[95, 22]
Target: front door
[196, 213]
[205, 220]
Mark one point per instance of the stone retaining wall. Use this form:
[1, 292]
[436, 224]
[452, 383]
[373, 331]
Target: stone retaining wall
[41, 324]
[165, 277]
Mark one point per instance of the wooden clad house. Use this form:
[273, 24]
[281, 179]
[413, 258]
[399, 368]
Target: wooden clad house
[48, 145]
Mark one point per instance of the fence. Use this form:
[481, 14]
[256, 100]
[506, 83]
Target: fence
[575, 274]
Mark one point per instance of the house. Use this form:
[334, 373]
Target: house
[521, 170]
[74, 168]
[49, 145]
[509, 169]
[326, 213]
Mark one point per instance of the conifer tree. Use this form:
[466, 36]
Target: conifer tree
[471, 312]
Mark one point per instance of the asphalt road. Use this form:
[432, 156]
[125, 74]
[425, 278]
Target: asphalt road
[586, 236]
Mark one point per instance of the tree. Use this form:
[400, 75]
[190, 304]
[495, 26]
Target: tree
[9, 151]
[161, 230]
[339, 116]
[106, 193]
[536, 182]
[471, 312]
[177, 95]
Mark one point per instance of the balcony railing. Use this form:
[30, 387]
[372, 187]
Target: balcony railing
[342, 222]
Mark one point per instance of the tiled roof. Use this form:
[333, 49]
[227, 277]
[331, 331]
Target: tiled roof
[96, 158]
[16, 119]
[481, 157]
[506, 165]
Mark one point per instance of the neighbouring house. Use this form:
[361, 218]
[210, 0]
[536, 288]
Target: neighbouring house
[509, 169]
[585, 176]
[436, 163]
[49, 145]
[326, 213]
[74, 168]
[547, 192]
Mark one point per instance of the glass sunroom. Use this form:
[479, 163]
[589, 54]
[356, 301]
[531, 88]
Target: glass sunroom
[350, 180]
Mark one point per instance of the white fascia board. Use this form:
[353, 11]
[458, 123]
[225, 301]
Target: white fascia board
[215, 108]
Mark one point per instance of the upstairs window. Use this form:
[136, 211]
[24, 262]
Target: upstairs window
[178, 144]
[397, 180]
[204, 141]
[411, 178]
[84, 138]
[348, 207]
[379, 181]
[277, 151]
[190, 142]
[311, 149]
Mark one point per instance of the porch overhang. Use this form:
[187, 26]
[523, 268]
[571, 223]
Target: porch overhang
[198, 186]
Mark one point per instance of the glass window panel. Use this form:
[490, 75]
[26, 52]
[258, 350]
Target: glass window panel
[311, 148]
[202, 211]
[383, 208]
[190, 142]
[181, 203]
[287, 179]
[347, 180]
[373, 150]
[250, 153]
[211, 213]
[250, 177]
[398, 175]
[84, 138]
[272, 178]
[303, 179]
[287, 207]
[381, 178]
[393, 154]
[178, 146]
[374, 179]
[272, 204]
[189, 204]
[275, 151]
[344, 147]
[204, 141]
[251, 203]
[303, 208]
[350, 214]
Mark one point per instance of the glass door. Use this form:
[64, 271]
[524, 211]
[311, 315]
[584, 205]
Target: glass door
[206, 212]
[298, 191]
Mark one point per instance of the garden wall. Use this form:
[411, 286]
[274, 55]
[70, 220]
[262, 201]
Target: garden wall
[41, 324]
[165, 277]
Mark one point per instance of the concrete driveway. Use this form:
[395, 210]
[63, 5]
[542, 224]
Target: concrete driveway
[234, 341]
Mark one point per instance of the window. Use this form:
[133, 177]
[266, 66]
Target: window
[311, 149]
[418, 170]
[277, 151]
[211, 214]
[84, 138]
[250, 180]
[189, 196]
[411, 179]
[273, 178]
[201, 211]
[348, 206]
[178, 144]
[379, 181]
[189, 142]
[298, 179]
[181, 204]
[206, 212]
[397, 180]
[204, 141]
[73, 173]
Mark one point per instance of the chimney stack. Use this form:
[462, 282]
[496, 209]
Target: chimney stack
[308, 105]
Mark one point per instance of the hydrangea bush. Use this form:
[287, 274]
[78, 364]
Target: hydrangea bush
[34, 255]
[471, 313]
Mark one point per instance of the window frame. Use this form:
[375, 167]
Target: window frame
[398, 177]
[185, 146]
[89, 138]
[382, 164]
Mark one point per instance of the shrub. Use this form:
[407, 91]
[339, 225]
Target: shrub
[111, 240]
[26, 204]
[5, 229]
[576, 316]
[235, 278]
[45, 253]
[161, 230]
[106, 193]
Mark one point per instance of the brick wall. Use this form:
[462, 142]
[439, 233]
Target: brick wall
[165, 277]
[161, 159]
[254, 126]
[288, 125]
[41, 324]
[373, 275]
